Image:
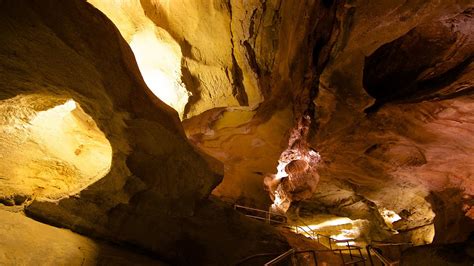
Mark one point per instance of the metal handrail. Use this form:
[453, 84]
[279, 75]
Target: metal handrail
[268, 214]
[354, 259]
[382, 243]
[313, 255]
[293, 253]
[330, 239]
[378, 255]
[350, 248]
[382, 259]
[281, 257]
[256, 256]
[312, 234]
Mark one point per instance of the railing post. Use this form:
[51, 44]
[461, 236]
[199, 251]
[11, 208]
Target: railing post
[314, 257]
[350, 251]
[361, 256]
[369, 255]
[294, 262]
[342, 257]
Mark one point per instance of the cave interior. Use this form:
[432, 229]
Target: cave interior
[230, 132]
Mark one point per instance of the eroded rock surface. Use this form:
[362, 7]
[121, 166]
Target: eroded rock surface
[387, 86]
[155, 195]
[416, 138]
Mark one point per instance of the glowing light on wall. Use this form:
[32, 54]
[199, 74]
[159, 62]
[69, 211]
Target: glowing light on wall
[347, 234]
[389, 216]
[159, 60]
[296, 176]
[157, 54]
[281, 198]
[281, 170]
[49, 147]
[331, 222]
[338, 228]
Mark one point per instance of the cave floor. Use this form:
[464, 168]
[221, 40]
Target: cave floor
[25, 241]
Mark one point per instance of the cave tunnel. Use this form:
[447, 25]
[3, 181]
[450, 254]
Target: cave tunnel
[196, 132]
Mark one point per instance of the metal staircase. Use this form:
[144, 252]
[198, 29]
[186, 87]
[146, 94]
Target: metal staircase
[352, 251]
[350, 255]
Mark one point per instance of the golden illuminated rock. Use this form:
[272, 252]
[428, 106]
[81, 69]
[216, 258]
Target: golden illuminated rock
[76, 78]
[379, 93]
[158, 55]
[181, 58]
[50, 148]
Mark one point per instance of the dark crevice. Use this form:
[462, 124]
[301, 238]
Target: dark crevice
[420, 66]
[192, 84]
[437, 83]
[253, 32]
[427, 89]
[320, 43]
[238, 88]
[320, 55]
[252, 24]
[252, 58]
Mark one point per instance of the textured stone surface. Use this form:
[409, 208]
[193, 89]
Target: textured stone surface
[28, 242]
[280, 33]
[155, 194]
[50, 149]
[396, 153]
[158, 55]
[393, 105]
[389, 153]
[390, 83]
[431, 61]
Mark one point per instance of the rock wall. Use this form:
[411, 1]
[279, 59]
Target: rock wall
[280, 33]
[387, 139]
[155, 195]
[392, 103]
[394, 113]
[389, 84]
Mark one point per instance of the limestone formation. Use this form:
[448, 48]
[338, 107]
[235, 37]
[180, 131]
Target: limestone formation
[141, 123]
[154, 195]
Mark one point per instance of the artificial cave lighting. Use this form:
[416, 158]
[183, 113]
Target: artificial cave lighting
[159, 60]
[346, 234]
[296, 177]
[281, 170]
[389, 216]
[338, 228]
[331, 222]
[50, 148]
[157, 54]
